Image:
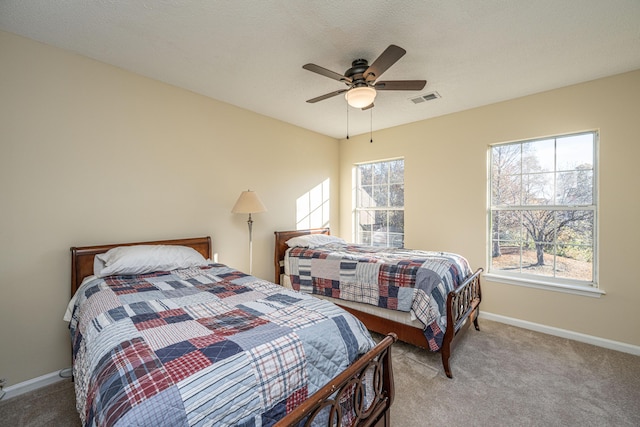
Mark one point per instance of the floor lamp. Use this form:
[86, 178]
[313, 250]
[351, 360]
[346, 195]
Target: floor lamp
[249, 203]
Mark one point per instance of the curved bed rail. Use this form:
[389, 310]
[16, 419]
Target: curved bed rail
[349, 386]
[464, 299]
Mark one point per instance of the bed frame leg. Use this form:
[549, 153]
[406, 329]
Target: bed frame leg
[387, 418]
[446, 353]
[475, 321]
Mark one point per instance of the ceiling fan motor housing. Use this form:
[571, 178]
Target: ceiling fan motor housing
[355, 73]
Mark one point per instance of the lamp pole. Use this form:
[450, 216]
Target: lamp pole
[250, 223]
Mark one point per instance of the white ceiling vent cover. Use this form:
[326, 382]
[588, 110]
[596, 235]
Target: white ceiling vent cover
[426, 97]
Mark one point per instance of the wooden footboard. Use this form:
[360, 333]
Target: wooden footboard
[462, 304]
[347, 390]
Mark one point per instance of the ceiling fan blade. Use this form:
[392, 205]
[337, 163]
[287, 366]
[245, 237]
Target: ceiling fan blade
[368, 107]
[328, 95]
[327, 73]
[401, 85]
[384, 61]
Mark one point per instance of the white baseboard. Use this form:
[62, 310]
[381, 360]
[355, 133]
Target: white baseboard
[563, 333]
[32, 384]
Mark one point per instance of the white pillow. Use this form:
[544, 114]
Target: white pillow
[141, 259]
[313, 240]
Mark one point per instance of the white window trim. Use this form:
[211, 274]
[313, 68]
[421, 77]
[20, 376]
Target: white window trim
[588, 291]
[591, 290]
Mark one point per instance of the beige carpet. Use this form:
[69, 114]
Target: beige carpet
[508, 376]
[53, 405]
[503, 376]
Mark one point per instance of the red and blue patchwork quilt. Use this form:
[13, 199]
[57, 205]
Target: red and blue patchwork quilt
[392, 278]
[203, 346]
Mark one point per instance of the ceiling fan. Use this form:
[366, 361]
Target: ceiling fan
[362, 79]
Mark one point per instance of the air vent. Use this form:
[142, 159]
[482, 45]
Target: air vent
[426, 97]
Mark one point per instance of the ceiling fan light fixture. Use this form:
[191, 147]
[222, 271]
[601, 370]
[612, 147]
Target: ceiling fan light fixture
[360, 97]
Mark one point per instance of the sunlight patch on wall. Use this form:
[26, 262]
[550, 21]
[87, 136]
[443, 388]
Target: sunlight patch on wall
[312, 208]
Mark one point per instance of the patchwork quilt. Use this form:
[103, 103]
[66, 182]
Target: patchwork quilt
[203, 346]
[397, 279]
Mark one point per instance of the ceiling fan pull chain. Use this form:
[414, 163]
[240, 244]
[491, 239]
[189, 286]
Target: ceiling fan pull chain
[347, 120]
[371, 128]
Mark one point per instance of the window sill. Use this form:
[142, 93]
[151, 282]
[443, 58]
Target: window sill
[537, 284]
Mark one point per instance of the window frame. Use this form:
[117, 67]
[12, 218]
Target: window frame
[358, 209]
[580, 287]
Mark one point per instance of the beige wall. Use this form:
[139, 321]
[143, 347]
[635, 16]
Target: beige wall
[446, 186]
[93, 154]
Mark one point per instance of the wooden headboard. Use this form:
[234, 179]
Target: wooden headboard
[82, 256]
[281, 246]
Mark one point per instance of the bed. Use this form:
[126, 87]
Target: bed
[443, 311]
[204, 344]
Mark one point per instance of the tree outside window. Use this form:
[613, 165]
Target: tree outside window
[543, 208]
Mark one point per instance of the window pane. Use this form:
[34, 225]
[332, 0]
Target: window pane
[506, 159]
[537, 189]
[381, 173]
[575, 227]
[381, 195]
[382, 220]
[390, 230]
[508, 260]
[396, 172]
[365, 198]
[396, 221]
[507, 227]
[575, 262]
[365, 174]
[539, 226]
[396, 195]
[575, 187]
[366, 219]
[575, 152]
[364, 237]
[506, 190]
[396, 240]
[538, 156]
[538, 259]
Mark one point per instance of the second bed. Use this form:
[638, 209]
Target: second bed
[424, 297]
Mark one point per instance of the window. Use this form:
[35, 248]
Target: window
[379, 214]
[543, 210]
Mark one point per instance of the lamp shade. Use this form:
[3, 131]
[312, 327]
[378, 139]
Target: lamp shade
[360, 97]
[248, 203]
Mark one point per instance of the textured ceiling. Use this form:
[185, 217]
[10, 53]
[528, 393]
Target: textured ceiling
[250, 53]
